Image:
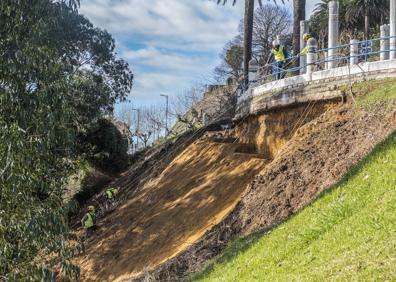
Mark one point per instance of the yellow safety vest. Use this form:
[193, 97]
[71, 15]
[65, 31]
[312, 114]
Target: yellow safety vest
[304, 51]
[111, 192]
[89, 222]
[279, 56]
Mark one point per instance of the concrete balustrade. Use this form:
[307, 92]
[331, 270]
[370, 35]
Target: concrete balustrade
[333, 33]
[304, 28]
[385, 67]
[392, 29]
[354, 52]
[384, 43]
[312, 45]
[253, 66]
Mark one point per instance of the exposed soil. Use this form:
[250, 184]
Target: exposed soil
[169, 213]
[315, 158]
[182, 203]
[269, 132]
[147, 164]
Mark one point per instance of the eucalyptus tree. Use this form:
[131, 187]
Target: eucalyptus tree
[48, 89]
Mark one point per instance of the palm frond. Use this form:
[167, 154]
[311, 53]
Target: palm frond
[259, 1]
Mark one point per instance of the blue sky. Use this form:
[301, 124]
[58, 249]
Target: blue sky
[170, 44]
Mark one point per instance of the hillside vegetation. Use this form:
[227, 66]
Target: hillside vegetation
[348, 234]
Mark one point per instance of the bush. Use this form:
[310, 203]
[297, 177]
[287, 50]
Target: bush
[106, 147]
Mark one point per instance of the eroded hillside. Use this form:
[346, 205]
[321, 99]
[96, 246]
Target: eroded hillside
[321, 150]
[232, 183]
[195, 192]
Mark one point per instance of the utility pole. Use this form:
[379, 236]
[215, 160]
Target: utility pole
[166, 112]
[137, 127]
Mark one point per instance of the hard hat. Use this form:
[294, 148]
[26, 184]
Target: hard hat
[275, 43]
[306, 36]
[91, 208]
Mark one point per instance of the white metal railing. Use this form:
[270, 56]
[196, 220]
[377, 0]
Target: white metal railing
[352, 53]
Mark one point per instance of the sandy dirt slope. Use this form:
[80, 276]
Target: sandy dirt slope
[317, 156]
[195, 192]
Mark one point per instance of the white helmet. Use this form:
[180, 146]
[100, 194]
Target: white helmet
[275, 43]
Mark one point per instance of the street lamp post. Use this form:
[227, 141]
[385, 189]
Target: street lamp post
[137, 127]
[166, 112]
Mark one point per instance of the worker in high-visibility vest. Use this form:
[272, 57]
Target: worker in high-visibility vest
[89, 221]
[304, 51]
[111, 192]
[279, 53]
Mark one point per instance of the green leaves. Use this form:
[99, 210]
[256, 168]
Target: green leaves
[45, 100]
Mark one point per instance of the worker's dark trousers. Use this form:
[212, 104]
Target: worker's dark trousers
[89, 231]
[278, 70]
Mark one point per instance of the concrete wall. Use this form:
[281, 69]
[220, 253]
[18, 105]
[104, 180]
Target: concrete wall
[321, 85]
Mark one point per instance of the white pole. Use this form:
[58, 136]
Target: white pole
[333, 33]
[304, 28]
[252, 70]
[392, 14]
[384, 55]
[354, 52]
[311, 55]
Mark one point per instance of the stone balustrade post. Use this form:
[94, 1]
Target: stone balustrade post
[304, 28]
[253, 67]
[384, 43]
[333, 33]
[312, 45]
[392, 29]
[354, 52]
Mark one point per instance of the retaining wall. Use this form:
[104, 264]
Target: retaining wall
[317, 86]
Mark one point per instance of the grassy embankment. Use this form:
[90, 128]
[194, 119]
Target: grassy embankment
[349, 233]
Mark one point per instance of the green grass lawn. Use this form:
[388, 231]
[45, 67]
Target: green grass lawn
[375, 93]
[349, 233]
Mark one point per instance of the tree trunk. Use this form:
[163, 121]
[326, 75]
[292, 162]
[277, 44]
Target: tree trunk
[366, 26]
[298, 15]
[248, 37]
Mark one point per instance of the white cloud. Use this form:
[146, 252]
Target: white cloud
[168, 43]
[201, 23]
[166, 60]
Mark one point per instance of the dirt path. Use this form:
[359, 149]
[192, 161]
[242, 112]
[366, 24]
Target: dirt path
[196, 191]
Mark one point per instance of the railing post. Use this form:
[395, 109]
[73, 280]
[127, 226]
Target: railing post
[312, 44]
[326, 56]
[354, 52]
[204, 119]
[392, 28]
[384, 55]
[304, 28]
[333, 33]
[253, 66]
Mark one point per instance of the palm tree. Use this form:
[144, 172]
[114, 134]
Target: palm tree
[367, 9]
[299, 15]
[248, 36]
[352, 18]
